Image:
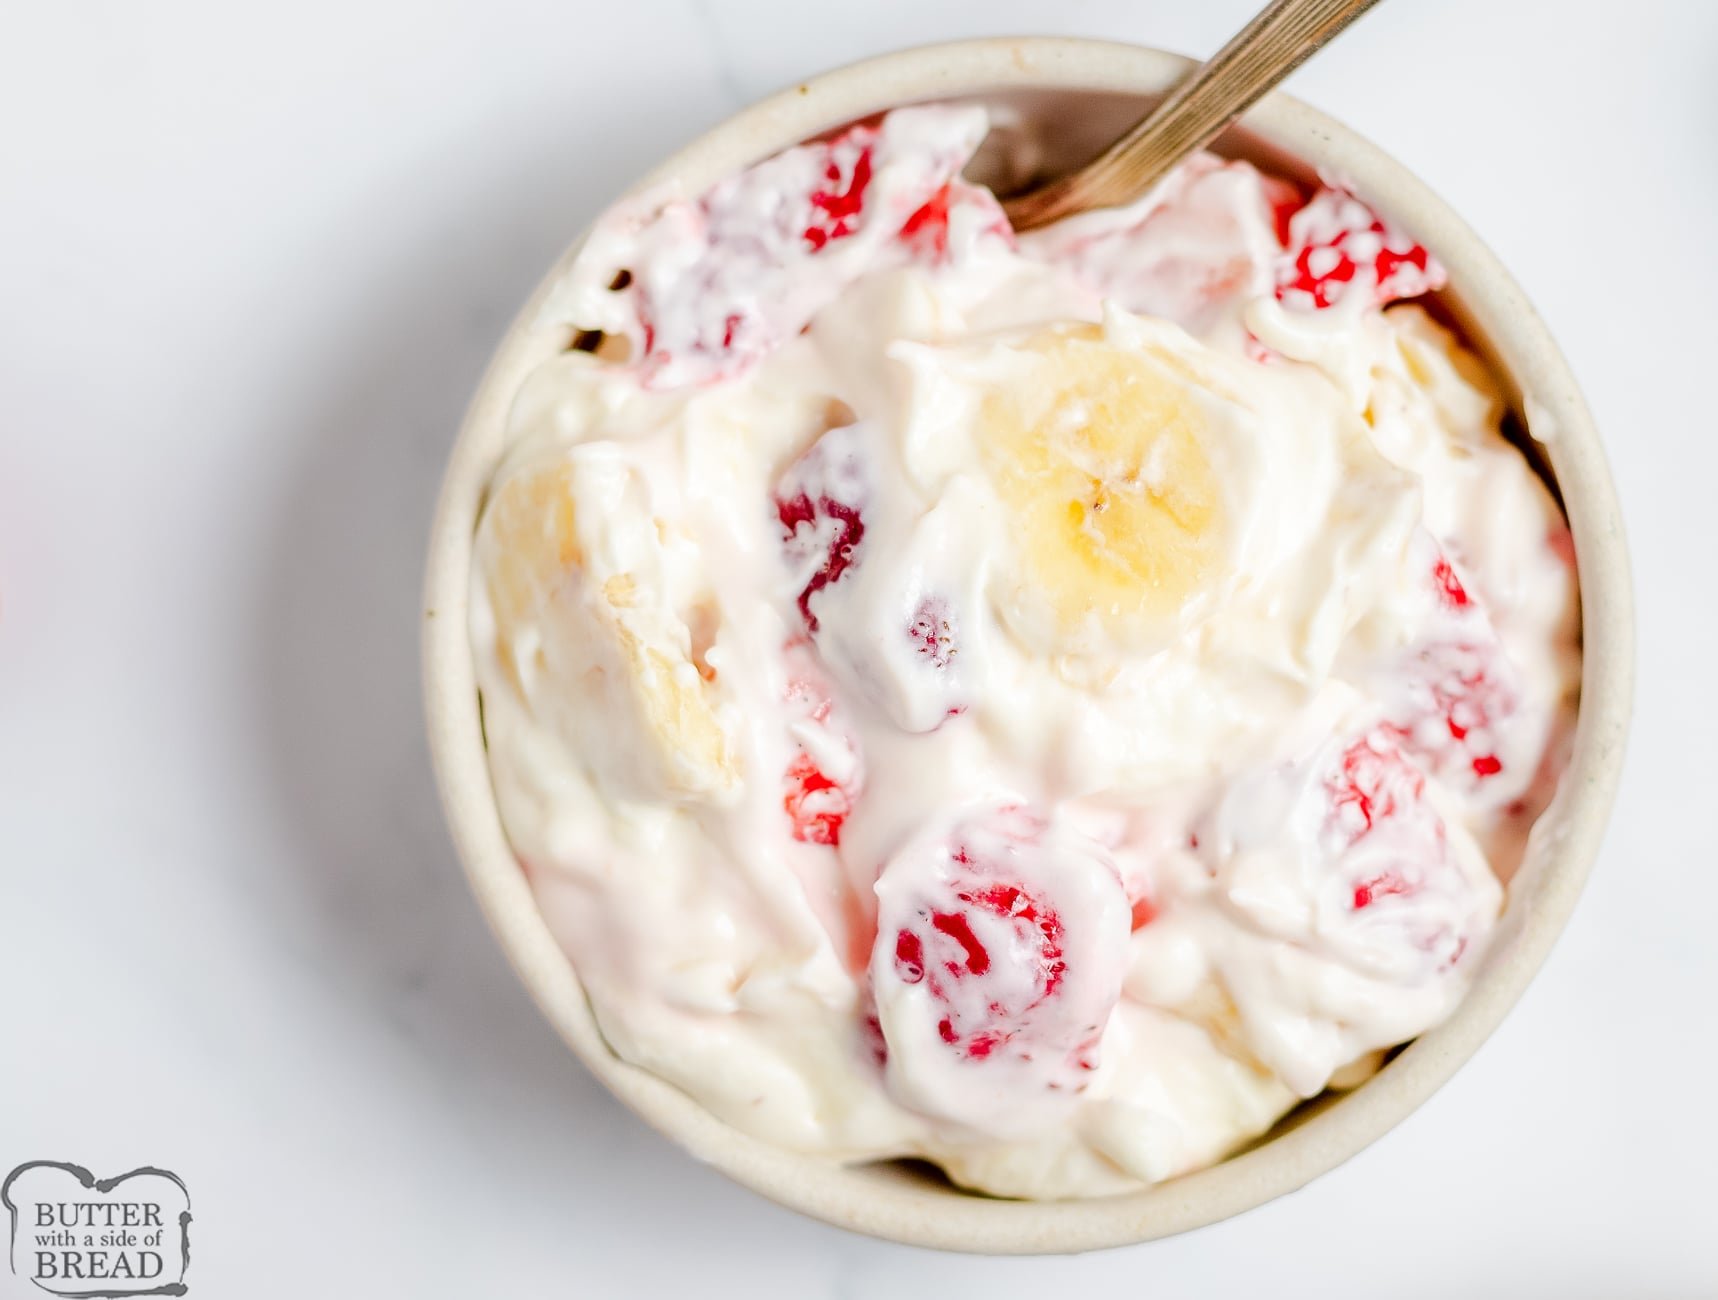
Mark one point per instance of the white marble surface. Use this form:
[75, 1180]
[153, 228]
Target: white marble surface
[251, 262]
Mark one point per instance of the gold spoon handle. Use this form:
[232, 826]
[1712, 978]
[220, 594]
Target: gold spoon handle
[1274, 44]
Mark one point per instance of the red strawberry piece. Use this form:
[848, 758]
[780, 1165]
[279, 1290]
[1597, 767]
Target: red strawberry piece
[719, 283]
[1456, 693]
[1000, 947]
[1449, 586]
[918, 677]
[706, 347]
[824, 774]
[1383, 885]
[1336, 239]
[1373, 784]
[816, 806]
[821, 526]
[927, 229]
[1457, 697]
[1389, 846]
[950, 947]
[1340, 858]
[926, 232]
[819, 502]
[932, 633]
[847, 173]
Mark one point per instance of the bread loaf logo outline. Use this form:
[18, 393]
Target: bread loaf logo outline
[82, 1238]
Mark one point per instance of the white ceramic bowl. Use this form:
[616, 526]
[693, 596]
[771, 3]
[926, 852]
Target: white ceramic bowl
[1072, 96]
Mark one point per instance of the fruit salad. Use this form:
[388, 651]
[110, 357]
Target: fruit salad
[1041, 704]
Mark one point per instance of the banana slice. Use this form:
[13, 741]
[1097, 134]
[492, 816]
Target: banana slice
[1098, 453]
[578, 579]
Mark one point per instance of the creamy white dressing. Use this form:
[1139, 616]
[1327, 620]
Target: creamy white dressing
[927, 851]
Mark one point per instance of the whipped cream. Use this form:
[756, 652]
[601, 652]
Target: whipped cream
[1043, 705]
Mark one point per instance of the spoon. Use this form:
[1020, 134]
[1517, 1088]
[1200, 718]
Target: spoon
[1282, 37]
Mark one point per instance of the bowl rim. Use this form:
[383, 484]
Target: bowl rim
[882, 1201]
